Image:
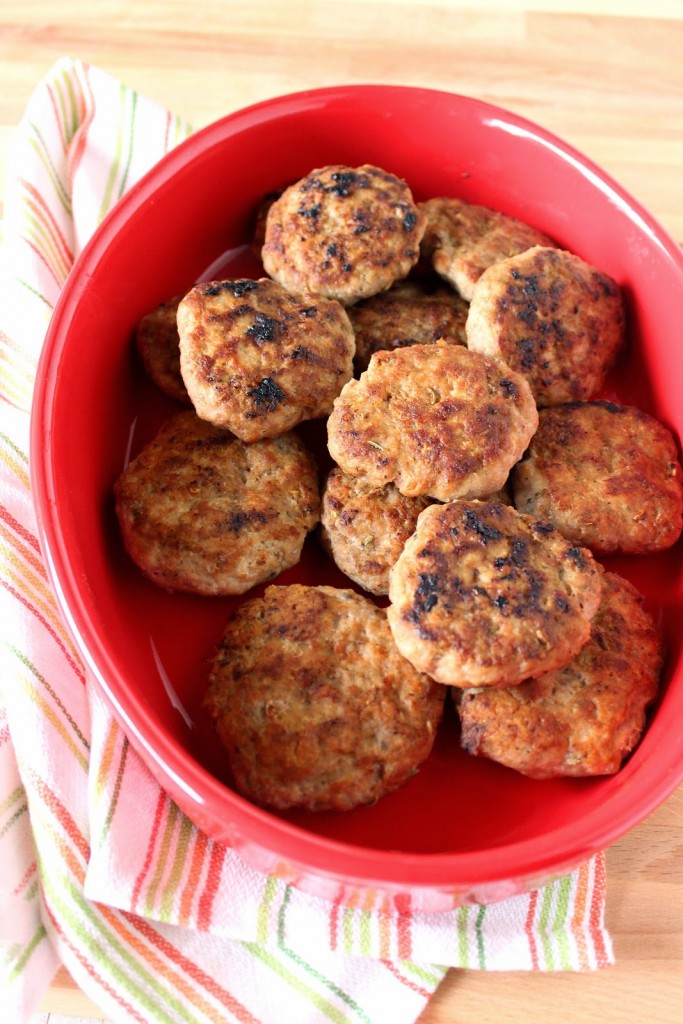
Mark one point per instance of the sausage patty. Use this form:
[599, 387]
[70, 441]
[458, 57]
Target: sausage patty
[462, 240]
[584, 718]
[313, 703]
[435, 420]
[364, 528]
[409, 313]
[343, 232]
[258, 361]
[552, 317]
[158, 343]
[483, 596]
[201, 511]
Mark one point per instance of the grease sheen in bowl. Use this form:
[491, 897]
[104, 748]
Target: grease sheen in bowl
[462, 828]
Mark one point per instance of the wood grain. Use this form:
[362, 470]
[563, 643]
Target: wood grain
[607, 77]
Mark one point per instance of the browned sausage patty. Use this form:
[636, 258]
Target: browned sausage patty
[258, 236]
[409, 313]
[582, 719]
[258, 361]
[202, 511]
[606, 475]
[343, 232]
[159, 347]
[435, 420]
[462, 240]
[483, 596]
[364, 528]
[313, 703]
[553, 318]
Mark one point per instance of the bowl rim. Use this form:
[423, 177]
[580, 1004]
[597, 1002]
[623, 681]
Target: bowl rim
[556, 850]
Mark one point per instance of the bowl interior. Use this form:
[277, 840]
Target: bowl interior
[191, 219]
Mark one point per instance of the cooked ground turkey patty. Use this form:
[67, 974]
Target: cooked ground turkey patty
[606, 475]
[483, 596]
[201, 511]
[584, 718]
[159, 346]
[436, 420]
[412, 312]
[313, 703]
[462, 240]
[258, 361]
[553, 318]
[364, 528]
[343, 232]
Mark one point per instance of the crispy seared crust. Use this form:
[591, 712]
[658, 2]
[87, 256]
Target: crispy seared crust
[343, 232]
[407, 314]
[364, 528]
[462, 240]
[313, 703]
[202, 511]
[258, 361]
[553, 318]
[606, 475]
[582, 719]
[159, 347]
[435, 420]
[483, 596]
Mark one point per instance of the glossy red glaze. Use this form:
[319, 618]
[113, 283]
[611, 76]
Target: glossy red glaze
[463, 828]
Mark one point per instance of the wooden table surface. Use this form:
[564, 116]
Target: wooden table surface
[606, 76]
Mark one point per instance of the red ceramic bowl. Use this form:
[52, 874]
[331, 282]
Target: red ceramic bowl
[463, 828]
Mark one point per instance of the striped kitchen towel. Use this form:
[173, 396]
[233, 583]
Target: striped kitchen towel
[99, 870]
